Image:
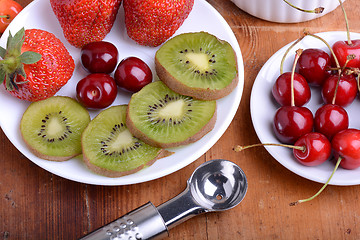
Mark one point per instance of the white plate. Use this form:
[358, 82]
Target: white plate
[202, 18]
[263, 108]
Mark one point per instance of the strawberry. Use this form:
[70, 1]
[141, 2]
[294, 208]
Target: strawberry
[152, 22]
[85, 21]
[35, 65]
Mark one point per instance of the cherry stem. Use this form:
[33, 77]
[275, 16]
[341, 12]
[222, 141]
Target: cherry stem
[239, 148]
[286, 53]
[316, 10]
[297, 56]
[348, 59]
[323, 187]
[358, 81]
[347, 23]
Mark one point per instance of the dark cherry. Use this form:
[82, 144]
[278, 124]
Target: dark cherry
[282, 90]
[99, 57]
[132, 74]
[292, 122]
[97, 90]
[330, 119]
[342, 49]
[346, 92]
[314, 66]
[346, 145]
[317, 149]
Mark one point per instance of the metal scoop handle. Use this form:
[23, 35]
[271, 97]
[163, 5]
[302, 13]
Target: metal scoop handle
[149, 222]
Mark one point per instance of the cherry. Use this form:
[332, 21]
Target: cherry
[346, 145]
[346, 89]
[97, 90]
[282, 90]
[330, 119]
[99, 57]
[292, 122]
[314, 65]
[342, 49]
[132, 74]
[317, 149]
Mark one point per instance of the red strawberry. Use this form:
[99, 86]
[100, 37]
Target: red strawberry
[35, 65]
[152, 22]
[85, 21]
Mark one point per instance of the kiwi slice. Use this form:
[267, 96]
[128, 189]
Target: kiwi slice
[198, 65]
[111, 150]
[52, 128]
[163, 118]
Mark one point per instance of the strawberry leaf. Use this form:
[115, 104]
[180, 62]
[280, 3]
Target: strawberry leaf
[30, 57]
[2, 52]
[2, 75]
[15, 42]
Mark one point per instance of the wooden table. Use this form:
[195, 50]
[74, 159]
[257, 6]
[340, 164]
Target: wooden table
[36, 204]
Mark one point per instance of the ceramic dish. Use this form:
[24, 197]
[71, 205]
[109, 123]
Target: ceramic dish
[202, 18]
[280, 11]
[263, 108]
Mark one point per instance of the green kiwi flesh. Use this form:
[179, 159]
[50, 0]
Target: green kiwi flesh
[52, 128]
[163, 118]
[198, 64]
[111, 150]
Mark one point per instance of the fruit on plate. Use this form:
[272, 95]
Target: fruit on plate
[96, 90]
[35, 65]
[99, 57]
[281, 90]
[52, 128]
[152, 22]
[163, 118]
[109, 148]
[314, 66]
[85, 21]
[197, 64]
[346, 145]
[8, 11]
[132, 74]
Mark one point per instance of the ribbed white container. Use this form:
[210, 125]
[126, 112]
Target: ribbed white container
[280, 11]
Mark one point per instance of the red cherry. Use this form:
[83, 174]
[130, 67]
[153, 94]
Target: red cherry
[282, 90]
[330, 119]
[132, 74]
[317, 149]
[314, 66]
[346, 145]
[99, 57]
[342, 49]
[292, 122]
[97, 90]
[346, 92]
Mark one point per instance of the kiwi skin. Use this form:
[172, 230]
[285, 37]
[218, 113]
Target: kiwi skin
[114, 174]
[140, 135]
[197, 93]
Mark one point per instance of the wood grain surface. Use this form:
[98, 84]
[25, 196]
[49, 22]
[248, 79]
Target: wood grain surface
[35, 204]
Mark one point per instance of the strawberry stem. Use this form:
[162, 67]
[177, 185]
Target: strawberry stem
[5, 16]
[316, 10]
[323, 187]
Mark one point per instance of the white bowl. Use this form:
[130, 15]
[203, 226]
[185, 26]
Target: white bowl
[280, 11]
